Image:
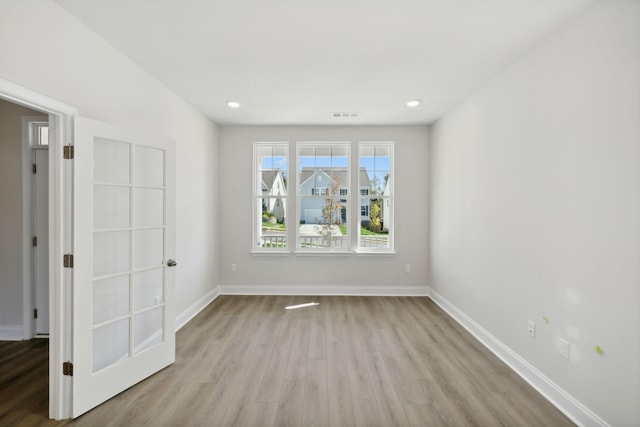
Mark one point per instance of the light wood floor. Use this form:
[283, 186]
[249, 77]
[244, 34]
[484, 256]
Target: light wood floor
[351, 361]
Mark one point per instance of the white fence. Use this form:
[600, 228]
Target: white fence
[328, 241]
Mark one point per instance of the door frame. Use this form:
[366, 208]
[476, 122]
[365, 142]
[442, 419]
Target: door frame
[61, 118]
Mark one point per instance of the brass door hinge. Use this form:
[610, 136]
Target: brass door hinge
[68, 152]
[68, 261]
[67, 369]
[34, 168]
[34, 241]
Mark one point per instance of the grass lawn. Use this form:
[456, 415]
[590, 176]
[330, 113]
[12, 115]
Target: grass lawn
[365, 232]
[270, 226]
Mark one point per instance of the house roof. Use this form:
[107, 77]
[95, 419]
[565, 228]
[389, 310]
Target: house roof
[339, 174]
[269, 177]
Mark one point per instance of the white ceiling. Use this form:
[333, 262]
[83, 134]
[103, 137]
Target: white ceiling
[298, 61]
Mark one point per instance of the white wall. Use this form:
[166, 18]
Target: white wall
[536, 208]
[46, 50]
[354, 273]
[11, 219]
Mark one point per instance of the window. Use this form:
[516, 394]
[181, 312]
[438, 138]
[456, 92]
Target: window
[322, 175]
[318, 215]
[271, 162]
[375, 181]
[40, 133]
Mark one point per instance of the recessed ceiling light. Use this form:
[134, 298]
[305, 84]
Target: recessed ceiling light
[413, 103]
[233, 104]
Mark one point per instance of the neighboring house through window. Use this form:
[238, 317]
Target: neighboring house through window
[322, 174]
[321, 203]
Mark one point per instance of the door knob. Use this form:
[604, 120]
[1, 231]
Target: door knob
[172, 263]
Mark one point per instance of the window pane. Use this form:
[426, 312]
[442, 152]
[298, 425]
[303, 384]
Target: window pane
[272, 167]
[149, 207]
[272, 232]
[148, 248]
[110, 206]
[111, 161]
[149, 166]
[148, 288]
[323, 188]
[270, 191]
[43, 135]
[110, 253]
[147, 329]
[110, 344]
[376, 221]
[323, 169]
[323, 223]
[110, 298]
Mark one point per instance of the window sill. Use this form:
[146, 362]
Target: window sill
[321, 253]
[270, 253]
[375, 253]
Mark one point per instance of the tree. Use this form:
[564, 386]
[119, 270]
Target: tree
[332, 209]
[374, 215]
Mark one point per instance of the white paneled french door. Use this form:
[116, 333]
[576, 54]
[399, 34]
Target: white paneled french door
[124, 237]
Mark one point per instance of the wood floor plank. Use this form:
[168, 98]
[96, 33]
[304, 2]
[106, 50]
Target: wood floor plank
[289, 411]
[349, 361]
[273, 379]
[315, 407]
[340, 401]
[297, 366]
[317, 335]
[365, 406]
[260, 414]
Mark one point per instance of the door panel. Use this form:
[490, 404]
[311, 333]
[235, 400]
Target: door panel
[124, 233]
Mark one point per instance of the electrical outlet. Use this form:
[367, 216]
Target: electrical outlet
[531, 328]
[158, 299]
[234, 267]
[407, 268]
[564, 348]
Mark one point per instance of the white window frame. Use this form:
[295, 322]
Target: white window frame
[346, 242]
[257, 202]
[353, 244]
[361, 245]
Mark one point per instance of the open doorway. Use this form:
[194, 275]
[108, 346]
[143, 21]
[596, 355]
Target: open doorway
[17, 289]
[16, 188]
[24, 264]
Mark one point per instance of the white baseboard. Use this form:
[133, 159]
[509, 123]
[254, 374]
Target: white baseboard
[571, 407]
[12, 333]
[319, 290]
[195, 308]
